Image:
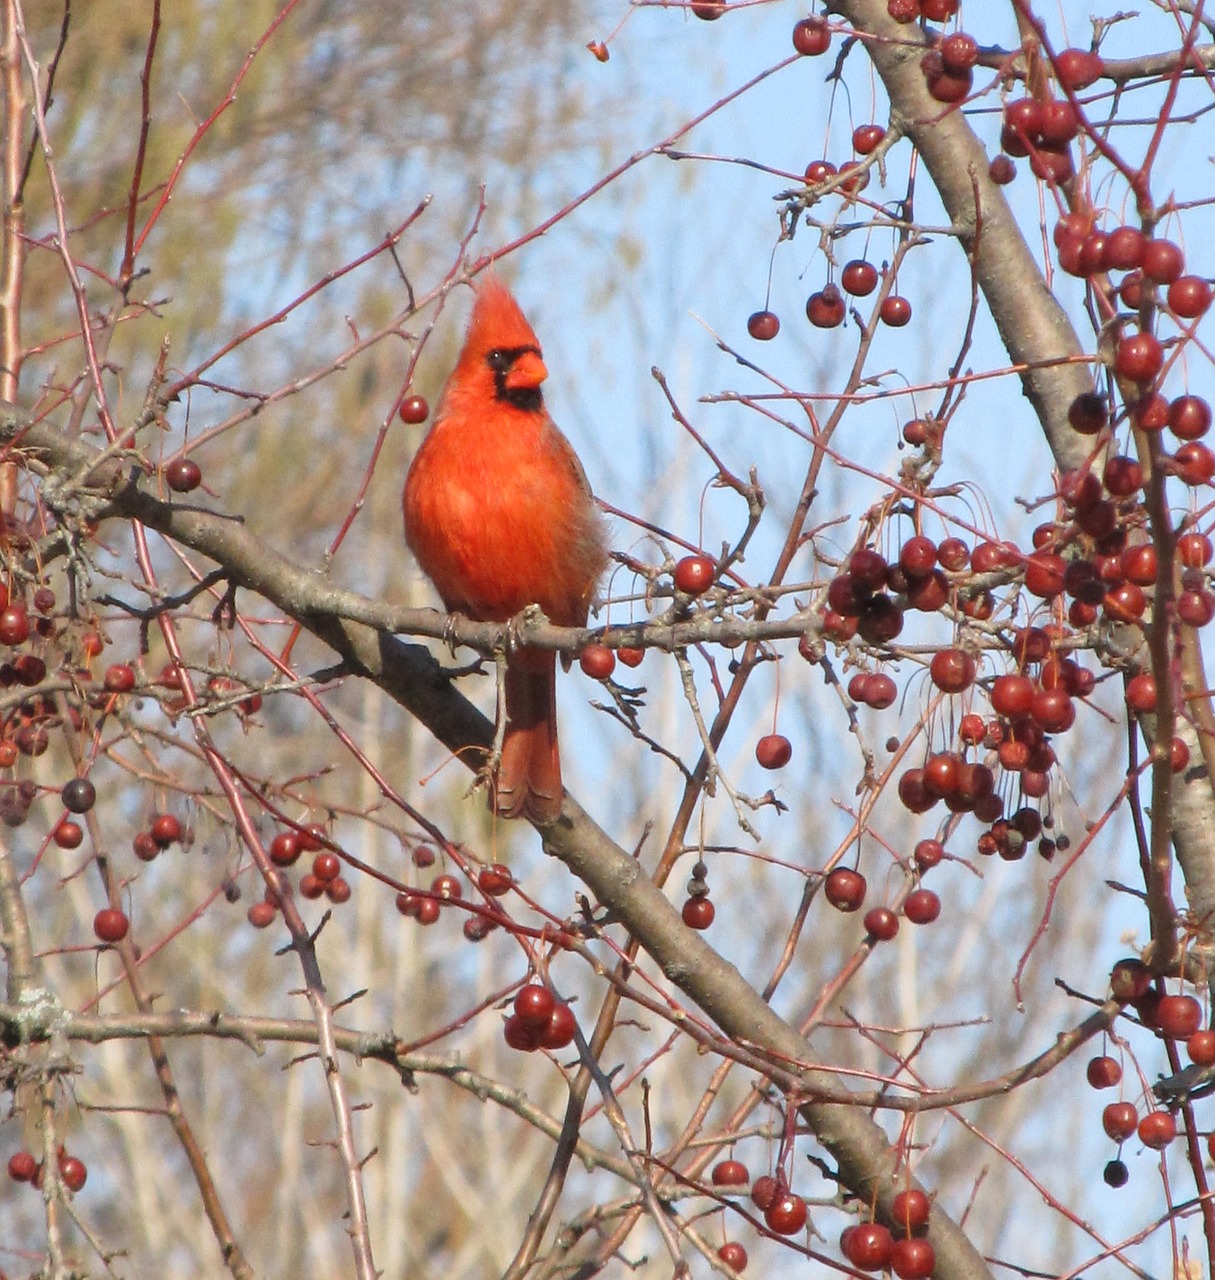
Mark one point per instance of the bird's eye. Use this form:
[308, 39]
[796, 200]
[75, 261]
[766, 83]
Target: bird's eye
[498, 360]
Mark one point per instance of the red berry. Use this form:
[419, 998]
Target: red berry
[928, 854]
[414, 409]
[1001, 170]
[918, 557]
[73, 1172]
[1194, 462]
[730, 1173]
[859, 278]
[285, 849]
[1119, 1120]
[694, 575]
[922, 906]
[764, 1191]
[773, 751]
[844, 888]
[1139, 357]
[1201, 1048]
[866, 138]
[145, 847]
[1163, 261]
[1189, 417]
[560, 1029]
[912, 1259]
[1189, 296]
[1103, 1072]
[895, 311]
[183, 474]
[630, 657]
[495, 880]
[825, 309]
[22, 1166]
[819, 171]
[1141, 692]
[1178, 1017]
[911, 1210]
[1194, 550]
[786, 1215]
[915, 432]
[763, 326]
[68, 834]
[1012, 694]
[110, 925]
[952, 670]
[1157, 1129]
[447, 888]
[534, 1004]
[881, 691]
[311, 887]
[948, 87]
[120, 678]
[1129, 980]
[522, 1036]
[953, 554]
[857, 179]
[1124, 248]
[597, 661]
[881, 923]
[971, 729]
[869, 1246]
[698, 912]
[14, 625]
[959, 52]
[1130, 291]
[1078, 68]
[261, 915]
[1196, 608]
[337, 890]
[733, 1255]
[312, 837]
[165, 829]
[811, 36]
[326, 867]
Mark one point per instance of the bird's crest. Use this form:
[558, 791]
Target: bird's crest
[496, 321]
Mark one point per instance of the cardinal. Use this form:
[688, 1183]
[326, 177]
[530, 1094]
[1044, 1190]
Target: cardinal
[500, 516]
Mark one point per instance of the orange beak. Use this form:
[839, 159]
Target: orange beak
[527, 373]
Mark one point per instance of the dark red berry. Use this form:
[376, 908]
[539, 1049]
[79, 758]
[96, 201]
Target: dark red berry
[694, 575]
[111, 925]
[183, 475]
[597, 661]
[763, 326]
[811, 36]
[414, 409]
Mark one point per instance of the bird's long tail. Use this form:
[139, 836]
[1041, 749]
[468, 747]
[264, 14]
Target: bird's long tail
[529, 775]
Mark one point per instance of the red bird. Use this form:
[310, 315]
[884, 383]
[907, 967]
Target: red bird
[500, 516]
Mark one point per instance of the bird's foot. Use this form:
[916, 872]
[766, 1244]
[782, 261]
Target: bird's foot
[525, 621]
[449, 632]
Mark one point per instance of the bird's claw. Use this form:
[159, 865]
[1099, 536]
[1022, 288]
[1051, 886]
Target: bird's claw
[449, 632]
[525, 620]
